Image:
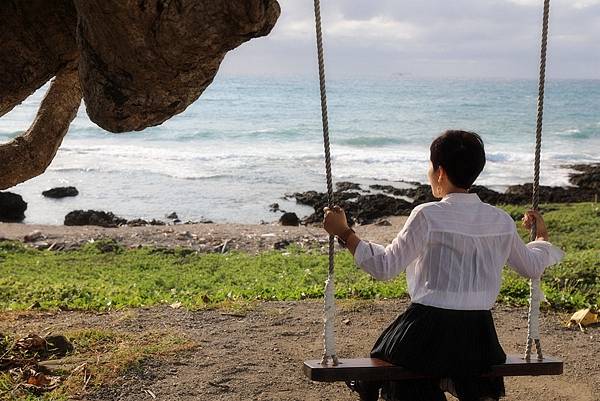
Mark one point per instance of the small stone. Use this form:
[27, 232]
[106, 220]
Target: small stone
[172, 216]
[33, 236]
[383, 223]
[289, 219]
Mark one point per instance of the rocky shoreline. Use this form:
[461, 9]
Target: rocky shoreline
[366, 206]
[362, 205]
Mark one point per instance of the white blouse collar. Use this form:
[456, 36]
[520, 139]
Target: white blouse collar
[461, 197]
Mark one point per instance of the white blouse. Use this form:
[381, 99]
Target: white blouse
[454, 251]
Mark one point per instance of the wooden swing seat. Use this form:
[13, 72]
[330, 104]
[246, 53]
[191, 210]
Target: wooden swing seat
[371, 369]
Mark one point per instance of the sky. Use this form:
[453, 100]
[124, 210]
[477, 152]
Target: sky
[427, 38]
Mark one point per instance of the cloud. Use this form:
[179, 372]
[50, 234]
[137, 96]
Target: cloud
[428, 37]
[577, 4]
[378, 28]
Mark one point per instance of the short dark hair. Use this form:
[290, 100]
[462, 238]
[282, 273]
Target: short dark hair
[462, 155]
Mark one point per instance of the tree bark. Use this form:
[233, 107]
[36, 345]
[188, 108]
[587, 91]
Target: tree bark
[30, 154]
[37, 39]
[143, 61]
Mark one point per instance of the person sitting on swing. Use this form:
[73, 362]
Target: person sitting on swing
[453, 252]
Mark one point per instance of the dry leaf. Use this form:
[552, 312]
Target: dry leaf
[38, 379]
[582, 318]
[31, 343]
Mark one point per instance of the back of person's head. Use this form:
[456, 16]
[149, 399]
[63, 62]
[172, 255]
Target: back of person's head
[461, 154]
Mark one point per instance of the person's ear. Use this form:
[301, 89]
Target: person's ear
[441, 175]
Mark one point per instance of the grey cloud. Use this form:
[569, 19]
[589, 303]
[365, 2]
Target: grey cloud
[454, 38]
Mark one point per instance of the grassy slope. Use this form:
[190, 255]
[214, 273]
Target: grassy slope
[90, 279]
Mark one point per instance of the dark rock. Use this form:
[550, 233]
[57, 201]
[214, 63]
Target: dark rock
[490, 196]
[371, 207]
[12, 207]
[346, 186]
[588, 176]
[172, 216]
[420, 194]
[319, 199]
[93, 218]
[176, 221]
[155, 222]
[61, 192]
[359, 208]
[274, 207]
[521, 194]
[383, 222]
[289, 219]
[137, 223]
[388, 189]
[281, 244]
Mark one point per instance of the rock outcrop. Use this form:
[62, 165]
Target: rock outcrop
[12, 207]
[365, 208]
[61, 192]
[93, 218]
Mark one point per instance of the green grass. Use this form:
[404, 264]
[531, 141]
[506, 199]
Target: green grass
[92, 279]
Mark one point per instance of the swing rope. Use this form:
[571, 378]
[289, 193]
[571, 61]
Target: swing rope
[533, 330]
[329, 309]
[533, 319]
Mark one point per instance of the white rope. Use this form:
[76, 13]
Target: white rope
[329, 308]
[533, 318]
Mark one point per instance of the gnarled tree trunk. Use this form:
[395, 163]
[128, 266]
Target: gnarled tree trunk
[143, 61]
[30, 154]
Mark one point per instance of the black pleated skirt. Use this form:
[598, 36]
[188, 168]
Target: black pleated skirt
[456, 345]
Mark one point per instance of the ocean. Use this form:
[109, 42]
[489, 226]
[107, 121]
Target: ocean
[247, 141]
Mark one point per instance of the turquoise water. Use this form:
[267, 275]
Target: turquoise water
[247, 141]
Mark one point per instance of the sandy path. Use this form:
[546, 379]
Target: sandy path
[259, 356]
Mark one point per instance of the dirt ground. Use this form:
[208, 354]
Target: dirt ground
[259, 355]
[202, 237]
